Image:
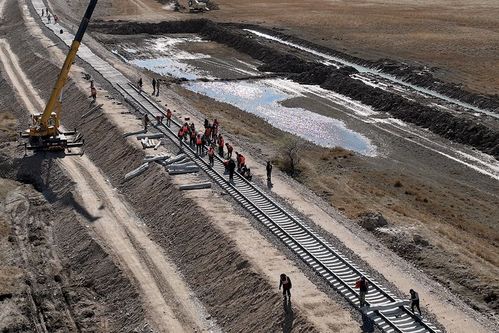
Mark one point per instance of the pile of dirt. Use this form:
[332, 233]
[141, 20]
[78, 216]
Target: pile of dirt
[452, 127]
[372, 221]
[418, 75]
[422, 77]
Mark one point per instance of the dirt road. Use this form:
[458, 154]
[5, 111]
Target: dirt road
[119, 228]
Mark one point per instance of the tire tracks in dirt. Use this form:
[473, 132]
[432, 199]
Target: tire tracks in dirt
[116, 225]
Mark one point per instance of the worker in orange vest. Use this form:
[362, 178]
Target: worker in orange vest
[180, 137]
[221, 143]
[207, 135]
[211, 155]
[199, 145]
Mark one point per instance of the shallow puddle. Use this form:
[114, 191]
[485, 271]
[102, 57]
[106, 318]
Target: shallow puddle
[163, 56]
[263, 98]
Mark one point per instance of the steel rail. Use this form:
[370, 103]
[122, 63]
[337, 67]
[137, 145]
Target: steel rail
[396, 319]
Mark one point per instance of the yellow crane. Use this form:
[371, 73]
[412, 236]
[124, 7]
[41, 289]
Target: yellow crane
[44, 133]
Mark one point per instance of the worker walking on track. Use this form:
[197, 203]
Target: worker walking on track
[231, 165]
[285, 283]
[153, 86]
[157, 87]
[180, 137]
[229, 150]
[221, 143]
[363, 287]
[199, 145]
[414, 301]
[211, 155]
[192, 141]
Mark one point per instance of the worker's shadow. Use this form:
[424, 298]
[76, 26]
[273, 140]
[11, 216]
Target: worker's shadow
[38, 170]
[289, 316]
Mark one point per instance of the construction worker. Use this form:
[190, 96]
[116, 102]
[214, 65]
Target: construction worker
[159, 119]
[229, 150]
[211, 155]
[215, 129]
[180, 135]
[193, 135]
[363, 287]
[146, 121]
[246, 172]
[185, 128]
[140, 85]
[269, 172]
[285, 283]
[207, 134]
[93, 94]
[241, 161]
[414, 301]
[153, 86]
[221, 143]
[231, 165]
[43, 12]
[168, 117]
[157, 88]
[199, 145]
[56, 19]
[48, 17]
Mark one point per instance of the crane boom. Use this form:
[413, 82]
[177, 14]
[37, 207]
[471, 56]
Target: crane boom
[44, 133]
[63, 75]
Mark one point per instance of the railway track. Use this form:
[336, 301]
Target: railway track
[388, 312]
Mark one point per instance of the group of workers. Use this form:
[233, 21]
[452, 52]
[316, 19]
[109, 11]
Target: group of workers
[363, 285]
[211, 137]
[49, 17]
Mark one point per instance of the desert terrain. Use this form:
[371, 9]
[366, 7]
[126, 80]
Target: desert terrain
[401, 178]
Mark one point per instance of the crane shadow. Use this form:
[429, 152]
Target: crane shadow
[38, 170]
[289, 316]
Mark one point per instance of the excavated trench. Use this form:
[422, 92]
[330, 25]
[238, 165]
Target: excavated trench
[298, 69]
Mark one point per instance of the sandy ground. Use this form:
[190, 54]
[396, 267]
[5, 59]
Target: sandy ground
[395, 270]
[459, 37]
[311, 302]
[106, 208]
[352, 208]
[459, 322]
[118, 226]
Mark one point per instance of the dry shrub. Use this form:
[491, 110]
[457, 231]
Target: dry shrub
[289, 160]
